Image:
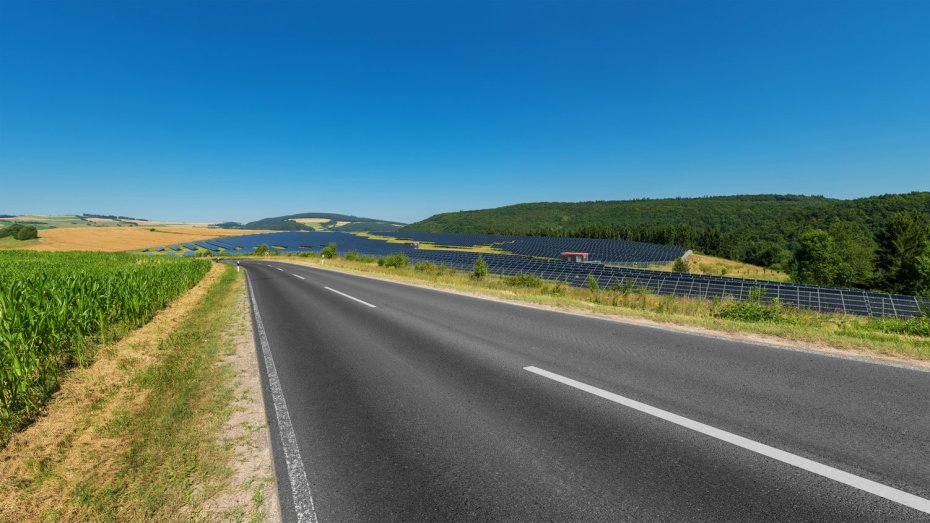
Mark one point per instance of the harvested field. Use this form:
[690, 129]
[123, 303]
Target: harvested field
[114, 239]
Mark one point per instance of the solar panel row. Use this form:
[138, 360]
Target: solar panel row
[618, 252]
[825, 299]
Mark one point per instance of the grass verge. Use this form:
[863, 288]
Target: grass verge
[868, 337]
[144, 434]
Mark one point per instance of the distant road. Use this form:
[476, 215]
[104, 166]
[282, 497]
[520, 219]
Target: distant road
[395, 403]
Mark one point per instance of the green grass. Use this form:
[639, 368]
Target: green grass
[854, 333]
[176, 460]
[8, 242]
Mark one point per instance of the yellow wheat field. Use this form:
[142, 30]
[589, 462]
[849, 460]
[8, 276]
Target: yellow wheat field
[113, 239]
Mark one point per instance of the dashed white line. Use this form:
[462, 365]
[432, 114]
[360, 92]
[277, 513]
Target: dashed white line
[280, 269]
[299, 276]
[350, 297]
[872, 487]
[300, 487]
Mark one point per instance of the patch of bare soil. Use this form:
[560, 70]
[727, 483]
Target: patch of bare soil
[247, 432]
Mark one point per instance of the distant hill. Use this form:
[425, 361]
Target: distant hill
[317, 221]
[758, 229]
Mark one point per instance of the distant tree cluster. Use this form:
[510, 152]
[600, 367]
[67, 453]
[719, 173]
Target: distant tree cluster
[20, 232]
[112, 217]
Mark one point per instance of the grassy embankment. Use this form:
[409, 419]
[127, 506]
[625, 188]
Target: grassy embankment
[147, 433]
[867, 336]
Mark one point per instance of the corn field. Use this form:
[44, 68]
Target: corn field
[54, 306]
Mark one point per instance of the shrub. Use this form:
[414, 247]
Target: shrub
[394, 260]
[329, 251]
[425, 266]
[753, 309]
[680, 265]
[352, 256]
[480, 269]
[591, 283]
[261, 250]
[524, 280]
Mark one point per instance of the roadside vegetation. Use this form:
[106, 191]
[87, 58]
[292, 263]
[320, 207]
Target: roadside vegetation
[55, 308]
[757, 317]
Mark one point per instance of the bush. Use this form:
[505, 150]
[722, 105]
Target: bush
[394, 260]
[480, 269]
[329, 251]
[680, 265]
[27, 232]
[425, 266]
[524, 280]
[261, 250]
[591, 283]
[752, 309]
[352, 256]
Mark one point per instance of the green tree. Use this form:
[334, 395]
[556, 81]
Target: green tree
[900, 243]
[922, 287]
[856, 247]
[481, 268]
[329, 251]
[261, 250]
[816, 260]
[27, 232]
[680, 265]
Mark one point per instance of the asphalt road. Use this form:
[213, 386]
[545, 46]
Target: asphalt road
[395, 403]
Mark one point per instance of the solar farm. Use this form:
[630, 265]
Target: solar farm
[613, 264]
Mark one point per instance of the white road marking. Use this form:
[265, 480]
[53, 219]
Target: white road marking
[890, 493]
[300, 487]
[299, 276]
[350, 297]
[280, 269]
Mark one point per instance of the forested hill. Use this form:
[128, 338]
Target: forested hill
[761, 229]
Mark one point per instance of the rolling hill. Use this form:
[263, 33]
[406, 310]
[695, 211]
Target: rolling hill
[317, 221]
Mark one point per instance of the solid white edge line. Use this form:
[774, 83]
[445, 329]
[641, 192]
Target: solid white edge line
[350, 297]
[878, 489]
[300, 487]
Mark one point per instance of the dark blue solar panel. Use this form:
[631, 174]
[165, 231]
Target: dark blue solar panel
[536, 260]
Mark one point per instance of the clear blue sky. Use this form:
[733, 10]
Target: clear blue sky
[240, 110]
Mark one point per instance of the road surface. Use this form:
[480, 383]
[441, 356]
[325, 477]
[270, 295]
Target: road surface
[395, 403]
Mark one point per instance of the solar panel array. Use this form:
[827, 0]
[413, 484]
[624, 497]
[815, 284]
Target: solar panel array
[614, 252]
[824, 299]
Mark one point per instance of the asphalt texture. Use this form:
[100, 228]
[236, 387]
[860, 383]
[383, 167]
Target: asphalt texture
[419, 409]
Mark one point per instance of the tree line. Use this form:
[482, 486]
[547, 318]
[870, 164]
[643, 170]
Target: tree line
[875, 243]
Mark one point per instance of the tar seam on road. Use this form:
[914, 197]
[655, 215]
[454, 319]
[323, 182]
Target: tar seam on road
[350, 297]
[300, 487]
[890, 493]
